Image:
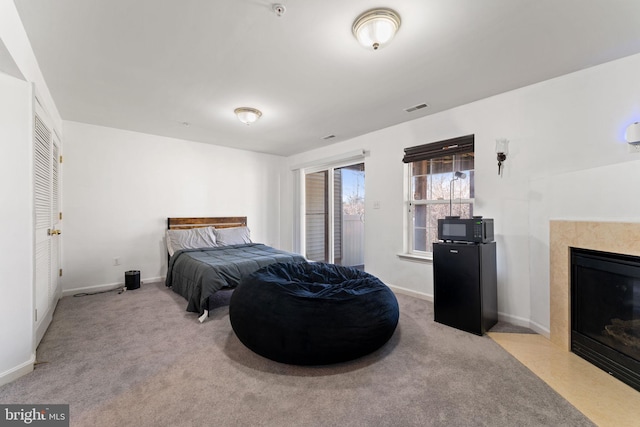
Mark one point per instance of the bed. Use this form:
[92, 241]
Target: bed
[207, 254]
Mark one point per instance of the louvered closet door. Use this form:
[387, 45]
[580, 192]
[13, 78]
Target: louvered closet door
[54, 285]
[43, 204]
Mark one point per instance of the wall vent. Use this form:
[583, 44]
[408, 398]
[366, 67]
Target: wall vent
[416, 107]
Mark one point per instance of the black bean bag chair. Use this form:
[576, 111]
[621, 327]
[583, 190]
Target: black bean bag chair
[312, 313]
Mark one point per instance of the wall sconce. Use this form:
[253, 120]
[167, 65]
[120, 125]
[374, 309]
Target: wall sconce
[502, 149]
[632, 135]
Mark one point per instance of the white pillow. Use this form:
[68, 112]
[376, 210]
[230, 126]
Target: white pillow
[232, 236]
[192, 238]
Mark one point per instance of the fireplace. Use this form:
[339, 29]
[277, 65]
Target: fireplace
[605, 312]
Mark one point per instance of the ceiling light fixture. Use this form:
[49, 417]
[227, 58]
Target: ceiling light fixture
[376, 27]
[247, 115]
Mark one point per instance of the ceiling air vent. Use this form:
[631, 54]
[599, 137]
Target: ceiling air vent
[416, 107]
[328, 137]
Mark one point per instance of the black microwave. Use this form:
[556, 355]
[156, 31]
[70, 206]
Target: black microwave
[472, 230]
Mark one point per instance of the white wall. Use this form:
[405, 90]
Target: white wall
[121, 186]
[16, 252]
[569, 124]
[606, 193]
[17, 44]
[17, 334]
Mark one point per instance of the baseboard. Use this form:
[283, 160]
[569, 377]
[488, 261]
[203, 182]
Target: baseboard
[15, 373]
[42, 327]
[526, 323]
[107, 286]
[410, 292]
[514, 320]
[538, 328]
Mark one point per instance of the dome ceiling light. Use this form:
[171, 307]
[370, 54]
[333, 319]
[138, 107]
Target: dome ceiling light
[376, 27]
[247, 115]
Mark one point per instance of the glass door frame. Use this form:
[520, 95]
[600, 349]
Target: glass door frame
[330, 169]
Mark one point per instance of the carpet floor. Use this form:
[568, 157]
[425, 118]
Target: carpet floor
[138, 358]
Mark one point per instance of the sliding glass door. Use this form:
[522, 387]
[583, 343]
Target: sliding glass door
[334, 215]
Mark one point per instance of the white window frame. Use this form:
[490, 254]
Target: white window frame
[410, 203]
[458, 146]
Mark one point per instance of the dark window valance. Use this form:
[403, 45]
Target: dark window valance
[459, 145]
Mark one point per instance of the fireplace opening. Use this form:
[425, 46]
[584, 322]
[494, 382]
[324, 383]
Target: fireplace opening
[605, 312]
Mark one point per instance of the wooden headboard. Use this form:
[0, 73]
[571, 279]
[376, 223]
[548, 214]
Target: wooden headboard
[217, 222]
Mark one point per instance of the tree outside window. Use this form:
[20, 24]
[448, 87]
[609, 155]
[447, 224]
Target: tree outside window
[434, 191]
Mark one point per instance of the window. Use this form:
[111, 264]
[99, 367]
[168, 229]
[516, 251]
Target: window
[435, 191]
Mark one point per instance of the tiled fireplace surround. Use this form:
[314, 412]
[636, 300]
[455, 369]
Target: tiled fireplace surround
[616, 237]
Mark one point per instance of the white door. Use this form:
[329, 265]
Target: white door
[45, 168]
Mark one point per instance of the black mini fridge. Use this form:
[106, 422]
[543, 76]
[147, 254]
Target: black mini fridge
[465, 286]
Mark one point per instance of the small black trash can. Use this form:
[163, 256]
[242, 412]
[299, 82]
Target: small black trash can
[132, 279]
